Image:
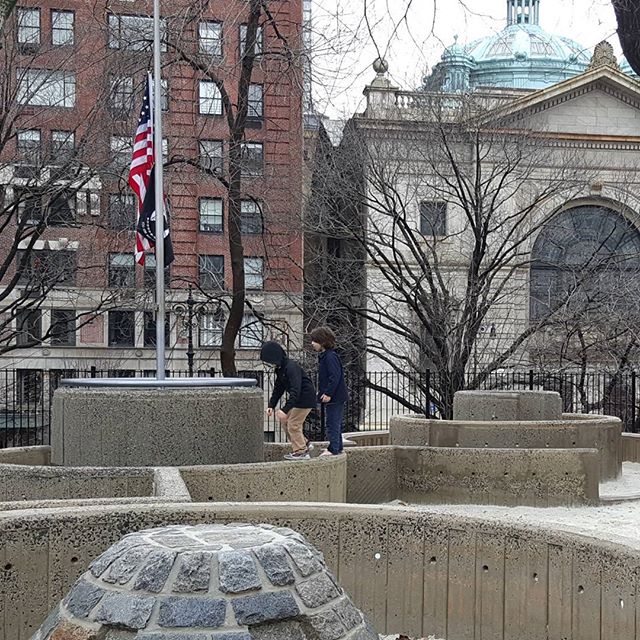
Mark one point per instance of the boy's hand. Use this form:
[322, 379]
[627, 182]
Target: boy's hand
[269, 411]
[281, 415]
[325, 398]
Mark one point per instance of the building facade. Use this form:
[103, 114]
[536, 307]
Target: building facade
[74, 75]
[494, 216]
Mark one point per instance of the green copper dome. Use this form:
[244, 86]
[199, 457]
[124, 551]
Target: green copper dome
[521, 56]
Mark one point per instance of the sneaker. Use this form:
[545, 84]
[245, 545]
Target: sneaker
[326, 452]
[297, 455]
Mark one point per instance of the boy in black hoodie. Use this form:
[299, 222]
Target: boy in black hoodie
[290, 377]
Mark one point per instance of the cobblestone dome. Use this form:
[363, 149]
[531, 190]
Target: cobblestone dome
[208, 582]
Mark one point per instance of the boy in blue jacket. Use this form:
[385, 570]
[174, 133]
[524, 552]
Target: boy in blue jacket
[332, 389]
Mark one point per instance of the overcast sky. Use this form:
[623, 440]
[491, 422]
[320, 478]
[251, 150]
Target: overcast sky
[411, 35]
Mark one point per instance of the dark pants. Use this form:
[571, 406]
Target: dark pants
[333, 425]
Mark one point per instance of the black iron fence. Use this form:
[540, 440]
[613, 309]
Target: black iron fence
[26, 397]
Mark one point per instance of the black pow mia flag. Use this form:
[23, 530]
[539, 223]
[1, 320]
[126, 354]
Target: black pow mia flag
[147, 221]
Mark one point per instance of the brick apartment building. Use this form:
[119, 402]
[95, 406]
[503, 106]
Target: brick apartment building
[77, 71]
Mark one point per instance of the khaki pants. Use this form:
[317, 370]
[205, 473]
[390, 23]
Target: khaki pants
[293, 427]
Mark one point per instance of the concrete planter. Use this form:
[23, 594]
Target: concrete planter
[129, 427]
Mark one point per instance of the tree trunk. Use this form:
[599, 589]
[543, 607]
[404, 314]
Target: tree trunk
[628, 17]
[236, 249]
[236, 253]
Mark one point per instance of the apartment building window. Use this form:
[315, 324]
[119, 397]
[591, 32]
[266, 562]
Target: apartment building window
[243, 40]
[121, 96]
[251, 158]
[122, 271]
[433, 218]
[251, 333]
[134, 33]
[150, 272]
[28, 26]
[211, 155]
[210, 38]
[122, 328]
[211, 328]
[122, 211]
[164, 95]
[47, 268]
[62, 27]
[149, 329]
[29, 146]
[210, 98]
[121, 149]
[63, 145]
[28, 327]
[29, 386]
[63, 328]
[28, 204]
[254, 273]
[45, 88]
[211, 215]
[61, 211]
[250, 217]
[211, 272]
[255, 103]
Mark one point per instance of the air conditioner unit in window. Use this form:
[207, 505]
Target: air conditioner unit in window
[127, 294]
[26, 171]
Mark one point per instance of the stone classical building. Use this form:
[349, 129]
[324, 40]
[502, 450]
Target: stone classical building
[493, 212]
[73, 74]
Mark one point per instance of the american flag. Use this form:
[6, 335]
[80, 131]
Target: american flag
[142, 165]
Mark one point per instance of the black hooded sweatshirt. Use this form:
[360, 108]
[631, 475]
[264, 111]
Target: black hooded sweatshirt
[290, 377]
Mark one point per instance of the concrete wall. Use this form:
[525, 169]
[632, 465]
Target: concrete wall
[538, 478]
[156, 427]
[507, 405]
[317, 480]
[371, 475]
[369, 438]
[574, 431]
[631, 447]
[412, 572]
[19, 482]
[39, 455]
[429, 475]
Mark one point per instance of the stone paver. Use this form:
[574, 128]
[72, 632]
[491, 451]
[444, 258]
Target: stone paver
[83, 598]
[191, 612]
[237, 572]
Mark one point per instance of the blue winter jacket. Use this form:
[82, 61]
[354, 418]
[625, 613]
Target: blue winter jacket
[331, 377]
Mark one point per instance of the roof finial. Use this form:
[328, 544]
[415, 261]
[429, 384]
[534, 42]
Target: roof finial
[603, 56]
[380, 66]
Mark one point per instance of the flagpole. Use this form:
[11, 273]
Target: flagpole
[159, 204]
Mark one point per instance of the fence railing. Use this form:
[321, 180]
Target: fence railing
[26, 397]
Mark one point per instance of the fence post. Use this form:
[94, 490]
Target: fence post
[530, 379]
[93, 371]
[212, 372]
[633, 401]
[427, 382]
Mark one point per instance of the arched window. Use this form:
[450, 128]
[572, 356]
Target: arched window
[585, 259]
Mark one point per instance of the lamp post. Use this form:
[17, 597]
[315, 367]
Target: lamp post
[190, 312]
